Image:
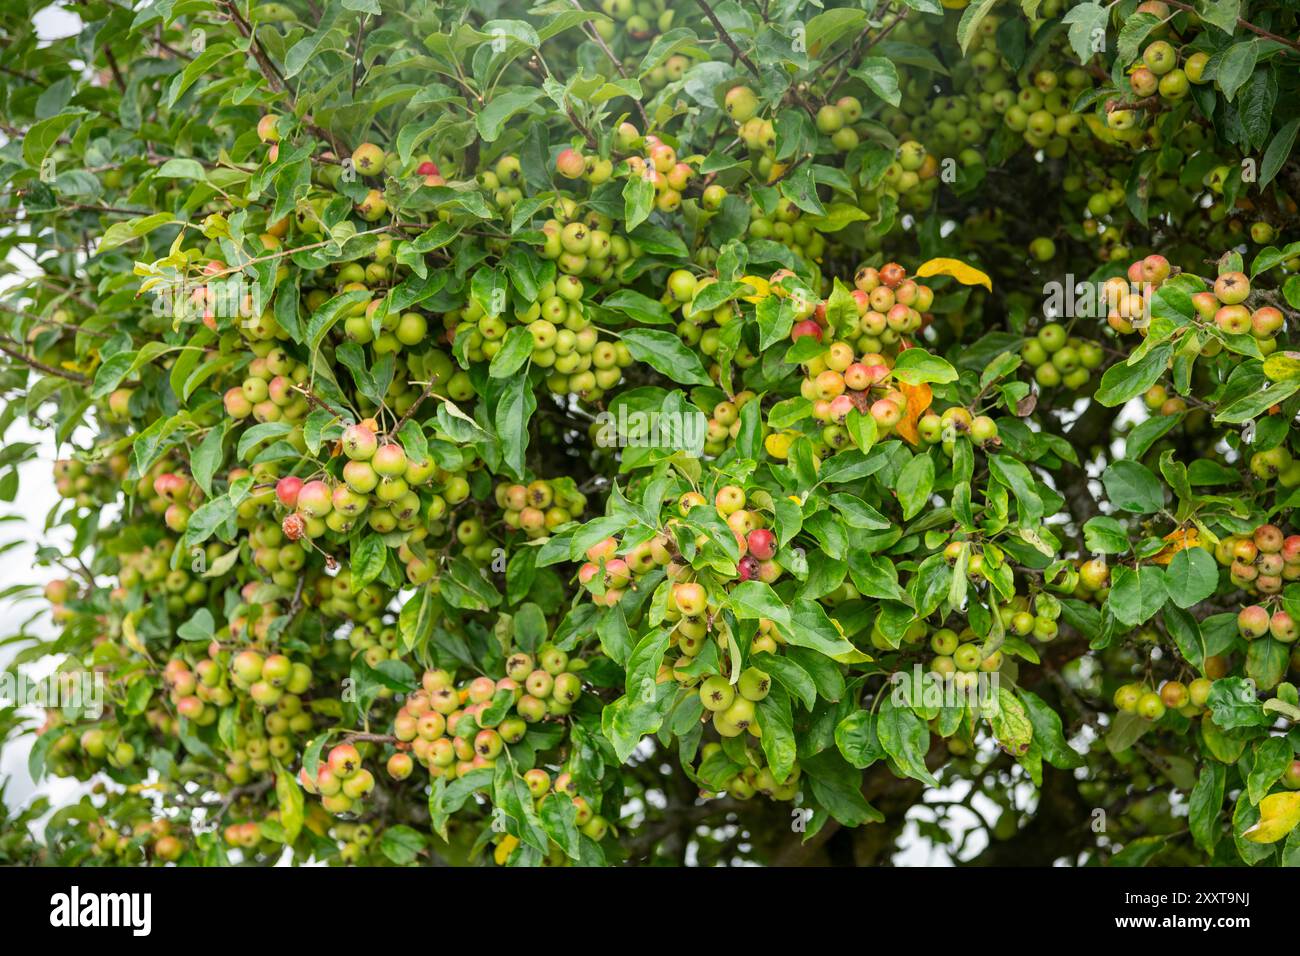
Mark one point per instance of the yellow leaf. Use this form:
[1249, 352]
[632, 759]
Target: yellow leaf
[1179, 540]
[762, 288]
[1282, 366]
[966, 275]
[919, 398]
[129, 632]
[1278, 815]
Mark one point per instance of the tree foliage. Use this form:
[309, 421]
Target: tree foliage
[678, 431]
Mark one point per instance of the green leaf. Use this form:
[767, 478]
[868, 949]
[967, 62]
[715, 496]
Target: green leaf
[368, 558]
[1087, 33]
[1273, 755]
[1191, 576]
[1278, 151]
[401, 844]
[43, 134]
[1235, 67]
[638, 306]
[1234, 703]
[638, 200]
[906, 739]
[1048, 733]
[777, 729]
[514, 410]
[1011, 724]
[1013, 473]
[491, 119]
[200, 627]
[881, 77]
[916, 365]
[289, 797]
[1122, 381]
[752, 600]
[1132, 487]
[915, 482]
[123, 232]
[559, 820]
[1205, 804]
[971, 18]
[855, 736]
[666, 353]
[516, 349]
[1105, 535]
[1136, 595]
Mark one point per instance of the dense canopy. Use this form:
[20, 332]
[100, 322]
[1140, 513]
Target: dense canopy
[660, 432]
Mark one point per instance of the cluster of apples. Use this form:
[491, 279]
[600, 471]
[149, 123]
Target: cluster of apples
[701, 328]
[986, 94]
[943, 428]
[724, 422]
[453, 729]
[376, 641]
[1255, 621]
[1151, 704]
[585, 243]
[1087, 580]
[380, 484]
[607, 576]
[353, 839]
[88, 484]
[541, 787]
[268, 391]
[340, 781]
[660, 167]
[70, 753]
[154, 837]
[540, 506]
[838, 382]
[1226, 307]
[913, 176]
[1059, 359]
[191, 691]
[1157, 74]
[1128, 298]
[59, 592]
[890, 307]
[1262, 562]
[150, 568]
[107, 744]
[255, 839]
[756, 776]
[254, 750]
[1032, 616]
[959, 656]
[731, 710]
[564, 340]
[731, 707]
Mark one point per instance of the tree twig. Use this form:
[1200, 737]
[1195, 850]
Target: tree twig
[618, 65]
[42, 367]
[1244, 24]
